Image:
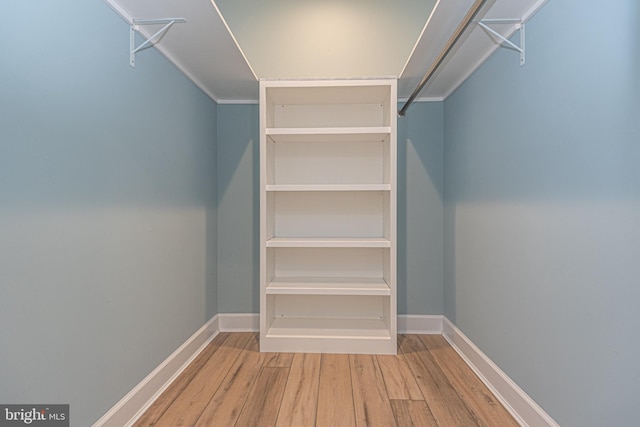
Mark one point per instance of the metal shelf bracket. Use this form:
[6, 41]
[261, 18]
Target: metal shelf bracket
[519, 26]
[135, 26]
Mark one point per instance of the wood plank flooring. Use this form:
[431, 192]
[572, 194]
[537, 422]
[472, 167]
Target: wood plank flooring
[232, 384]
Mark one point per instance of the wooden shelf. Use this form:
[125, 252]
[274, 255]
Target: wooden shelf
[328, 242]
[328, 286]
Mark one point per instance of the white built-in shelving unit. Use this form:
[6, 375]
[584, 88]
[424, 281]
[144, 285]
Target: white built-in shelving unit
[328, 216]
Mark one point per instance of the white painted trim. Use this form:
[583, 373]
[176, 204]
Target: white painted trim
[120, 11]
[140, 398]
[429, 99]
[238, 101]
[533, 10]
[407, 323]
[233, 37]
[419, 324]
[239, 322]
[423, 99]
[523, 408]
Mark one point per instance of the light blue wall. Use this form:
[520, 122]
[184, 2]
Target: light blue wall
[107, 207]
[420, 209]
[542, 212]
[238, 209]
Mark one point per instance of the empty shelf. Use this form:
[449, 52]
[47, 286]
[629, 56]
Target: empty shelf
[329, 187]
[328, 328]
[328, 242]
[328, 286]
[346, 134]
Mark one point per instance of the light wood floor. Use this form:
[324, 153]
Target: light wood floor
[232, 384]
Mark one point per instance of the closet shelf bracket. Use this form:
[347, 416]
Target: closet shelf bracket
[519, 25]
[135, 26]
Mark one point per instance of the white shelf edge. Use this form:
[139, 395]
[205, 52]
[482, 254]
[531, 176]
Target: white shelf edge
[362, 286]
[328, 242]
[328, 187]
[328, 328]
[362, 130]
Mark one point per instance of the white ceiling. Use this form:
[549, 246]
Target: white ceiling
[226, 53]
[307, 39]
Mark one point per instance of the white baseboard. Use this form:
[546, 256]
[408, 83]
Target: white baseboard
[419, 324]
[407, 323]
[239, 322]
[518, 403]
[138, 400]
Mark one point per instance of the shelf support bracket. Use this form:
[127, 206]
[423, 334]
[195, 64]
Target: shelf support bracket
[135, 26]
[485, 24]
